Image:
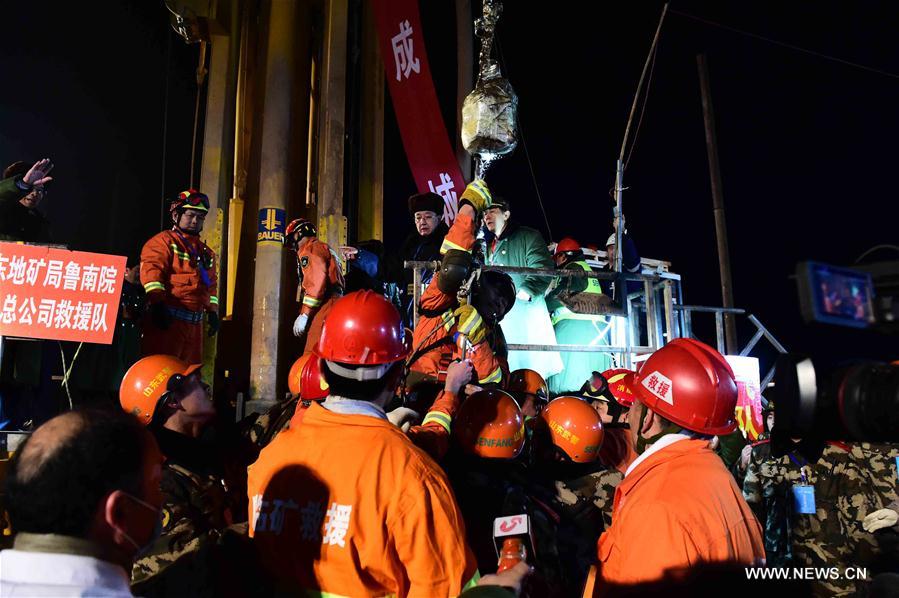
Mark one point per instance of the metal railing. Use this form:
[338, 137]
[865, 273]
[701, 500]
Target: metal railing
[663, 316]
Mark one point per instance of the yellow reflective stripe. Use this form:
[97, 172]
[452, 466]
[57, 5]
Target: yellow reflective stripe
[469, 325]
[473, 581]
[481, 190]
[496, 376]
[593, 286]
[447, 245]
[181, 254]
[563, 313]
[448, 320]
[154, 286]
[311, 301]
[214, 300]
[438, 417]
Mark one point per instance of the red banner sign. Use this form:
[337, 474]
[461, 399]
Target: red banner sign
[59, 294]
[428, 148]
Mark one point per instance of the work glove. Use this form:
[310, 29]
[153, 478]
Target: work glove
[523, 295]
[880, 519]
[403, 418]
[160, 315]
[299, 325]
[470, 323]
[477, 195]
[214, 322]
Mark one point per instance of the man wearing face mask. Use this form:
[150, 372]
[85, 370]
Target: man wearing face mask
[178, 273]
[198, 547]
[81, 511]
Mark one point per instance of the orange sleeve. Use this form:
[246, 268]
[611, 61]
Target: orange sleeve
[488, 368]
[213, 303]
[430, 537]
[155, 260]
[433, 435]
[314, 264]
[461, 235]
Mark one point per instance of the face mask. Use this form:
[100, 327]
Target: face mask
[157, 529]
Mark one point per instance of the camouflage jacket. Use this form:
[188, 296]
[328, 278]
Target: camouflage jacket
[850, 482]
[199, 551]
[263, 428]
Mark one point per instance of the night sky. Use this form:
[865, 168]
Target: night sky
[807, 145]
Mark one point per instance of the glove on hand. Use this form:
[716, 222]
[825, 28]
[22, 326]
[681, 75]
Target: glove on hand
[477, 195]
[470, 323]
[214, 322]
[880, 519]
[299, 325]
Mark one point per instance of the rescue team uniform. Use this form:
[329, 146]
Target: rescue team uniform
[434, 337]
[321, 283]
[677, 507]
[345, 505]
[432, 436]
[178, 270]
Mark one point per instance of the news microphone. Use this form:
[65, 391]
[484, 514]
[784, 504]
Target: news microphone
[513, 539]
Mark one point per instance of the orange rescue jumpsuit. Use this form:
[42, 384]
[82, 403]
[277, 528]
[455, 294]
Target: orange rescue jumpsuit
[170, 270]
[321, 283]
[436, 325]
[347, 505]
[432, 436]
[678, 508]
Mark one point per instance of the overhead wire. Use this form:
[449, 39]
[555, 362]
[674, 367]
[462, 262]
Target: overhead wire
[769, 40]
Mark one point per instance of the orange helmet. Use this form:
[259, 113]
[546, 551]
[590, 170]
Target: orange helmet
[295, 373]
[620, 381]
[148, 381]
[575, 428]
[527, 381]
[567, 244]
[690, 384]
[362, 329]
[489, 424]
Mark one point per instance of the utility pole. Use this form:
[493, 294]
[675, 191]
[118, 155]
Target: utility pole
[711, 142]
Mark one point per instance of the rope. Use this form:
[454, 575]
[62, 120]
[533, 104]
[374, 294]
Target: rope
[67, 372]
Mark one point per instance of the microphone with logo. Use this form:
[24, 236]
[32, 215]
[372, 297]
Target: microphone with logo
[513, 539]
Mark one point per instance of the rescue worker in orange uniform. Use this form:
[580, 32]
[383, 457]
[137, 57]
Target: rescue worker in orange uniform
[321, 279]
[345, 504]
[530, 390]
[678, 506]
[448, 330]
[177, 270]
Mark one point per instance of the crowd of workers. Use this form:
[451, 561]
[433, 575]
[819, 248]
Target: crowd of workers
[412, 457]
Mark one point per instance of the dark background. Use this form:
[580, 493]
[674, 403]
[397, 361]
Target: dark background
[807, 145]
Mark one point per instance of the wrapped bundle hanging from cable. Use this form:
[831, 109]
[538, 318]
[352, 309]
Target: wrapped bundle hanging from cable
[490, 111]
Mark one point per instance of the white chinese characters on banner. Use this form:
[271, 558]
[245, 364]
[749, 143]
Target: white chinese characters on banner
[403, 54]
[62, 314]
[446, 190]
[57, 274]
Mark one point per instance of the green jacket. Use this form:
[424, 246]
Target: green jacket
[522, 247]
[9, 191]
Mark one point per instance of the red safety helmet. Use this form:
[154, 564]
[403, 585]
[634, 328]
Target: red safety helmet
[489, 424]
[190, 200]
[574, 427]
[362, 329]
[148, 381]
[306, 379]
[690, 384]
[620, 381]
[298, 225]
[567, 245]
[527, 381]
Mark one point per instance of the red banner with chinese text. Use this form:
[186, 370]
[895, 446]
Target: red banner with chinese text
[59, 294]
[428, 148]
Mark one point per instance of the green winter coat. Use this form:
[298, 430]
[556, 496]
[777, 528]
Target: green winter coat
[522, 247]
[9, 191]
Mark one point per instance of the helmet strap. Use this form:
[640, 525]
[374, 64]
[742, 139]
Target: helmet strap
[642, 442]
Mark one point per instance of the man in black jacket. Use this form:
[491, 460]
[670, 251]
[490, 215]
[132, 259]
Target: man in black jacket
[423, 244]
